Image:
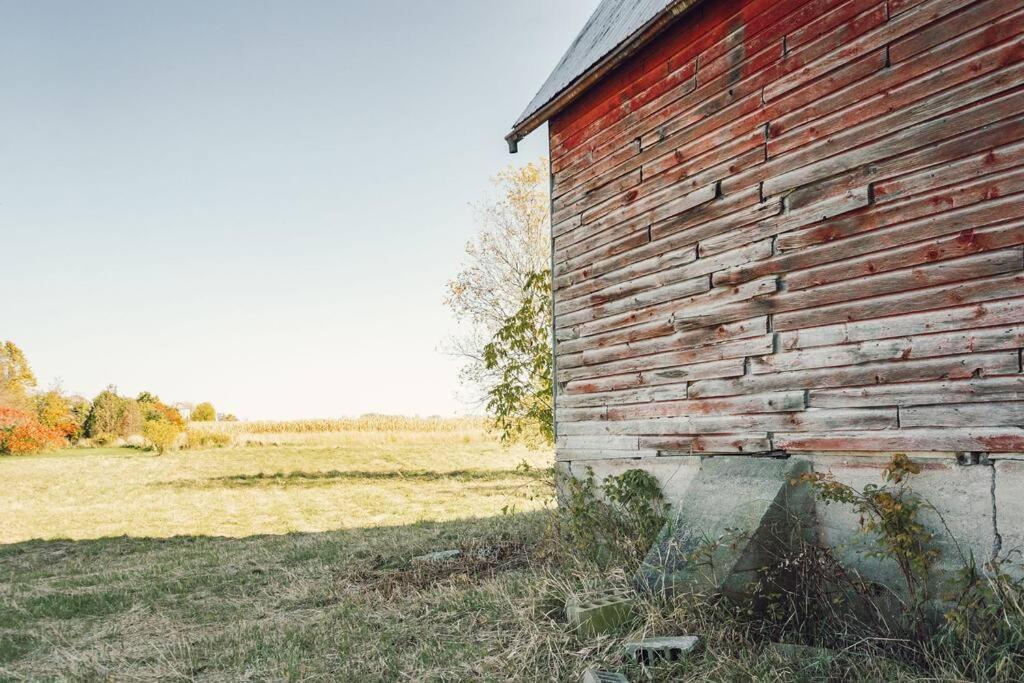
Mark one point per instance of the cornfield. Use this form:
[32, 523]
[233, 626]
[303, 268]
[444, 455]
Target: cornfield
[365, 423]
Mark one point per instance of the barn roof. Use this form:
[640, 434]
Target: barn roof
[617, 29]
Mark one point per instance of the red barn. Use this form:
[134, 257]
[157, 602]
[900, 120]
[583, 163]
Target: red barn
[794, 226]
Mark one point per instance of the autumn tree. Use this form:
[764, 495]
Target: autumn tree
[204, 412]
[66, 414]
[155, 410]
[16, 378]
[511, 246]
[162, 434]
[21, 431]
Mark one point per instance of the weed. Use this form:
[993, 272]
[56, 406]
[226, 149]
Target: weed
[616, 522]
[891, 513]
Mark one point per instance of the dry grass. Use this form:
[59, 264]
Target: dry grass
[301, 482]
[339, 595]
[365, 423]
[350, 603]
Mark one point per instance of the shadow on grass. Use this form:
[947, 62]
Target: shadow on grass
[332, 476]
[132, 590]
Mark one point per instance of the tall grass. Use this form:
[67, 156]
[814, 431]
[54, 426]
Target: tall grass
[365, 423]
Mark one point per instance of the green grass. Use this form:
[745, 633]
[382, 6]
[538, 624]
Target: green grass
[302, 483]
[295, 562]
[345, 604]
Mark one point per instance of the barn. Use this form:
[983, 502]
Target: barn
[794, 228]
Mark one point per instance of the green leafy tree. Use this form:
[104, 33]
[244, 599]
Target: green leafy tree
[204, 412]
[153, 409]
[519, 363]
[16, 378]
[146, 397]
[114, 415]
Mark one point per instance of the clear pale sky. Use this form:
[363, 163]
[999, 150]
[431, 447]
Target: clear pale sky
[255, 203]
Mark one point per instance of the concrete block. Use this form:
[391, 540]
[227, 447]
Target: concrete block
[599, 612]
[1009, 505]
[598, 676]
[650, 650]
[961, 495]
[439, 556]
[737, 516]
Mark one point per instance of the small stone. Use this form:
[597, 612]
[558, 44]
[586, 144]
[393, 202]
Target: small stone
[598, 676]
[670, 649]
[439, 556]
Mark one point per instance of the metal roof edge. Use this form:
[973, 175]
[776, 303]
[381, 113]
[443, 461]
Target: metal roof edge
[626, 49]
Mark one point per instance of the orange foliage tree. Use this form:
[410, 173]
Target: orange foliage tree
[21, 433]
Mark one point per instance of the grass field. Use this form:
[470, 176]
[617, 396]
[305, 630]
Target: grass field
[294, 560]
[294, 482]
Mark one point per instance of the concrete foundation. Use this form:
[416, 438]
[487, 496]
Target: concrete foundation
[1008, 507]
[962, 522]
[737, 517]
[979, 508]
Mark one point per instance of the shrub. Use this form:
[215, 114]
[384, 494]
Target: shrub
[112, 414]
[891, 513]
[161, 433]
[58, 412]
[104, 439]
[364, 423]
[204, 412]
[21, 433]
[984, 631]
[614, 522]
[197, 439]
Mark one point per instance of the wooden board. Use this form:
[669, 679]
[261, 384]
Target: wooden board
[796, 224]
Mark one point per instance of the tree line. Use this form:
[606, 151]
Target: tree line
[32, 421]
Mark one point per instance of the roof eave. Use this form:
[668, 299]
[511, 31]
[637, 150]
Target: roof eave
[599, 70]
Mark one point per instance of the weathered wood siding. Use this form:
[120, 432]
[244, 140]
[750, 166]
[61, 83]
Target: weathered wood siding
[796, 224]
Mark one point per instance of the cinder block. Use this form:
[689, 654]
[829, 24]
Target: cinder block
[670, 649]
[597, 676]
[599, 612]
[438, 556]
[737, 517]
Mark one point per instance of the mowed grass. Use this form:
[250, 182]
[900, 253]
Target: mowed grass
[352, 605]
[296, 561]
[291, 483]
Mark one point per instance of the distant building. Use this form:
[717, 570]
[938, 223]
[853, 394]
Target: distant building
[185, 409]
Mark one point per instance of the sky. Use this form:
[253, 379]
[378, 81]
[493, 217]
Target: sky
[256, 203]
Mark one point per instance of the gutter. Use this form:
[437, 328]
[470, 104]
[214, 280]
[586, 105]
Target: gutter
[626, 49]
